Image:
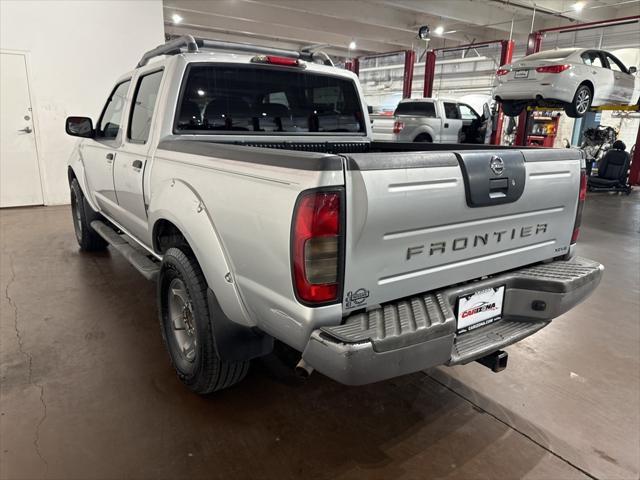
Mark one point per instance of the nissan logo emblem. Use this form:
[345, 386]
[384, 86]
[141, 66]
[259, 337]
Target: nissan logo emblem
[497, 165]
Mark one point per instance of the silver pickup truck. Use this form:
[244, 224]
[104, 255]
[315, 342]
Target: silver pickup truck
[245, 182]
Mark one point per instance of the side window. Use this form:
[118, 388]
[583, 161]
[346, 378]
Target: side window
[467, 113]
[109, 124]
[451, 110]
[144, 102]
[615, 64]
[592, 58]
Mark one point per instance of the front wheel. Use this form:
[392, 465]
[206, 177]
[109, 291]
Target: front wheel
[83, 215]
[186, 324]
[581, 102]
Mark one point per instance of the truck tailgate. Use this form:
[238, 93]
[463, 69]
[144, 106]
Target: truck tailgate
[425, 220]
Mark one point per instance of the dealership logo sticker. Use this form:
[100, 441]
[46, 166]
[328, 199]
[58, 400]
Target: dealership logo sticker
[357, 298]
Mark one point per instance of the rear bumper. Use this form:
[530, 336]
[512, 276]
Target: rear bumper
[420, 332]
[533, 91]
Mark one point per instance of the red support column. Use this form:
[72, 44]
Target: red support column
[409, 60]
[634, 176]
[533, 45]
[429, 73]
[353, 65]
[506, 54]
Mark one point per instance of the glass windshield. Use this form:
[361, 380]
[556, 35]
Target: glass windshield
[229, 99]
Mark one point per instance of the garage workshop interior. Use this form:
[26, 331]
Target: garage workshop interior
[332, 239]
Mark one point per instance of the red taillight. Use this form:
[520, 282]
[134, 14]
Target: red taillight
[274, 60]
[552, 68]
[316, 247]
[397, 126]
[501, 71]
[581, 198]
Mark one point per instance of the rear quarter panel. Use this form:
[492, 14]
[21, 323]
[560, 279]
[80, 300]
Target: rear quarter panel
[249, 204]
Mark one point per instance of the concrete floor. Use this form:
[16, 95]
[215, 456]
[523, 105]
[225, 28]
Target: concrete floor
[87, 391]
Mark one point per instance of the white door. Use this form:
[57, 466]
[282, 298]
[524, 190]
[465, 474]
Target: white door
[20, 182]
[128, 170]
[452, 123]
[624, 82]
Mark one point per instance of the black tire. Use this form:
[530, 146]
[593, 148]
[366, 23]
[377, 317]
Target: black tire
[513, 109]
[83, 215]
[200, 368]
[423, 138]
[581, 102]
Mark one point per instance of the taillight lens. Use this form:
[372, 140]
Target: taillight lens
[581, 198]
[552, 68]
[316, 246]
[502, 71]
[397, 126]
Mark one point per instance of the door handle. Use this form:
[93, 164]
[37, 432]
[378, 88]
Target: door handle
[110, 157]
[26, 129]
[446, 125]
[137, 164]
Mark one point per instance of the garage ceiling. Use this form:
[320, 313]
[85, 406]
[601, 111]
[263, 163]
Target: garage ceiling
[380, 25]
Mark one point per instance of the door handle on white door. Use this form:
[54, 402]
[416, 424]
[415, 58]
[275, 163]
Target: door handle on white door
[26, 129]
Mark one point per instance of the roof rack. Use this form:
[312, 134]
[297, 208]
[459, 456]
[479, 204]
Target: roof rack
[194, 44]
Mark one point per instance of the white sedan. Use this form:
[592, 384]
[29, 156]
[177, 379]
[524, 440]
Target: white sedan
[576, 78]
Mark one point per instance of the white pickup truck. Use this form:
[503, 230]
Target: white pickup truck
[248, 186]
[434, 120]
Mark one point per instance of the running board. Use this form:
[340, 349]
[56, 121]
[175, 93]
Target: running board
[141, 262]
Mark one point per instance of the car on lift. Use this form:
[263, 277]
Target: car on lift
[573, 78]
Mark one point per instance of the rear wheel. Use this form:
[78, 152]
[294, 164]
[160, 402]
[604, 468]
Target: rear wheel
[186, 324]
[83, 215]
[513, 109]
[581, 102]
[423, 138]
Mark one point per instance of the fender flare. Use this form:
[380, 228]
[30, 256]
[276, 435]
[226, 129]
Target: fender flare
[196, 225]
[76, 170]
[235, 337]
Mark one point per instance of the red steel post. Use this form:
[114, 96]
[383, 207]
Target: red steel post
[634, 176]
[533, 45]
[506, 54]
[429, 73]
[409, 60]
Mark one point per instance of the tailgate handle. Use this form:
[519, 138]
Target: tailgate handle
[498, 187]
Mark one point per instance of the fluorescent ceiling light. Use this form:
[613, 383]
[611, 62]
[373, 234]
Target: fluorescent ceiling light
[439, 30]
[176, 18]
[578, 6]
[352, 45]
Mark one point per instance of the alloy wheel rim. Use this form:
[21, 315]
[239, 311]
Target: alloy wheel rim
[182, 319]
[582, 101]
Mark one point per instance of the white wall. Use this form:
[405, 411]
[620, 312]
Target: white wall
[77, 49]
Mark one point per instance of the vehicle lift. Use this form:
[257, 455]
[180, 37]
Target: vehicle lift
[534, 45]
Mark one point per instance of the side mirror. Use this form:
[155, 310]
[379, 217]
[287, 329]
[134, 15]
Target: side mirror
[79, 127]
[632, 70]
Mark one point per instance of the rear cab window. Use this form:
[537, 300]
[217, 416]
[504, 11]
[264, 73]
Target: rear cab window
[420, 109]
[237, 98]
